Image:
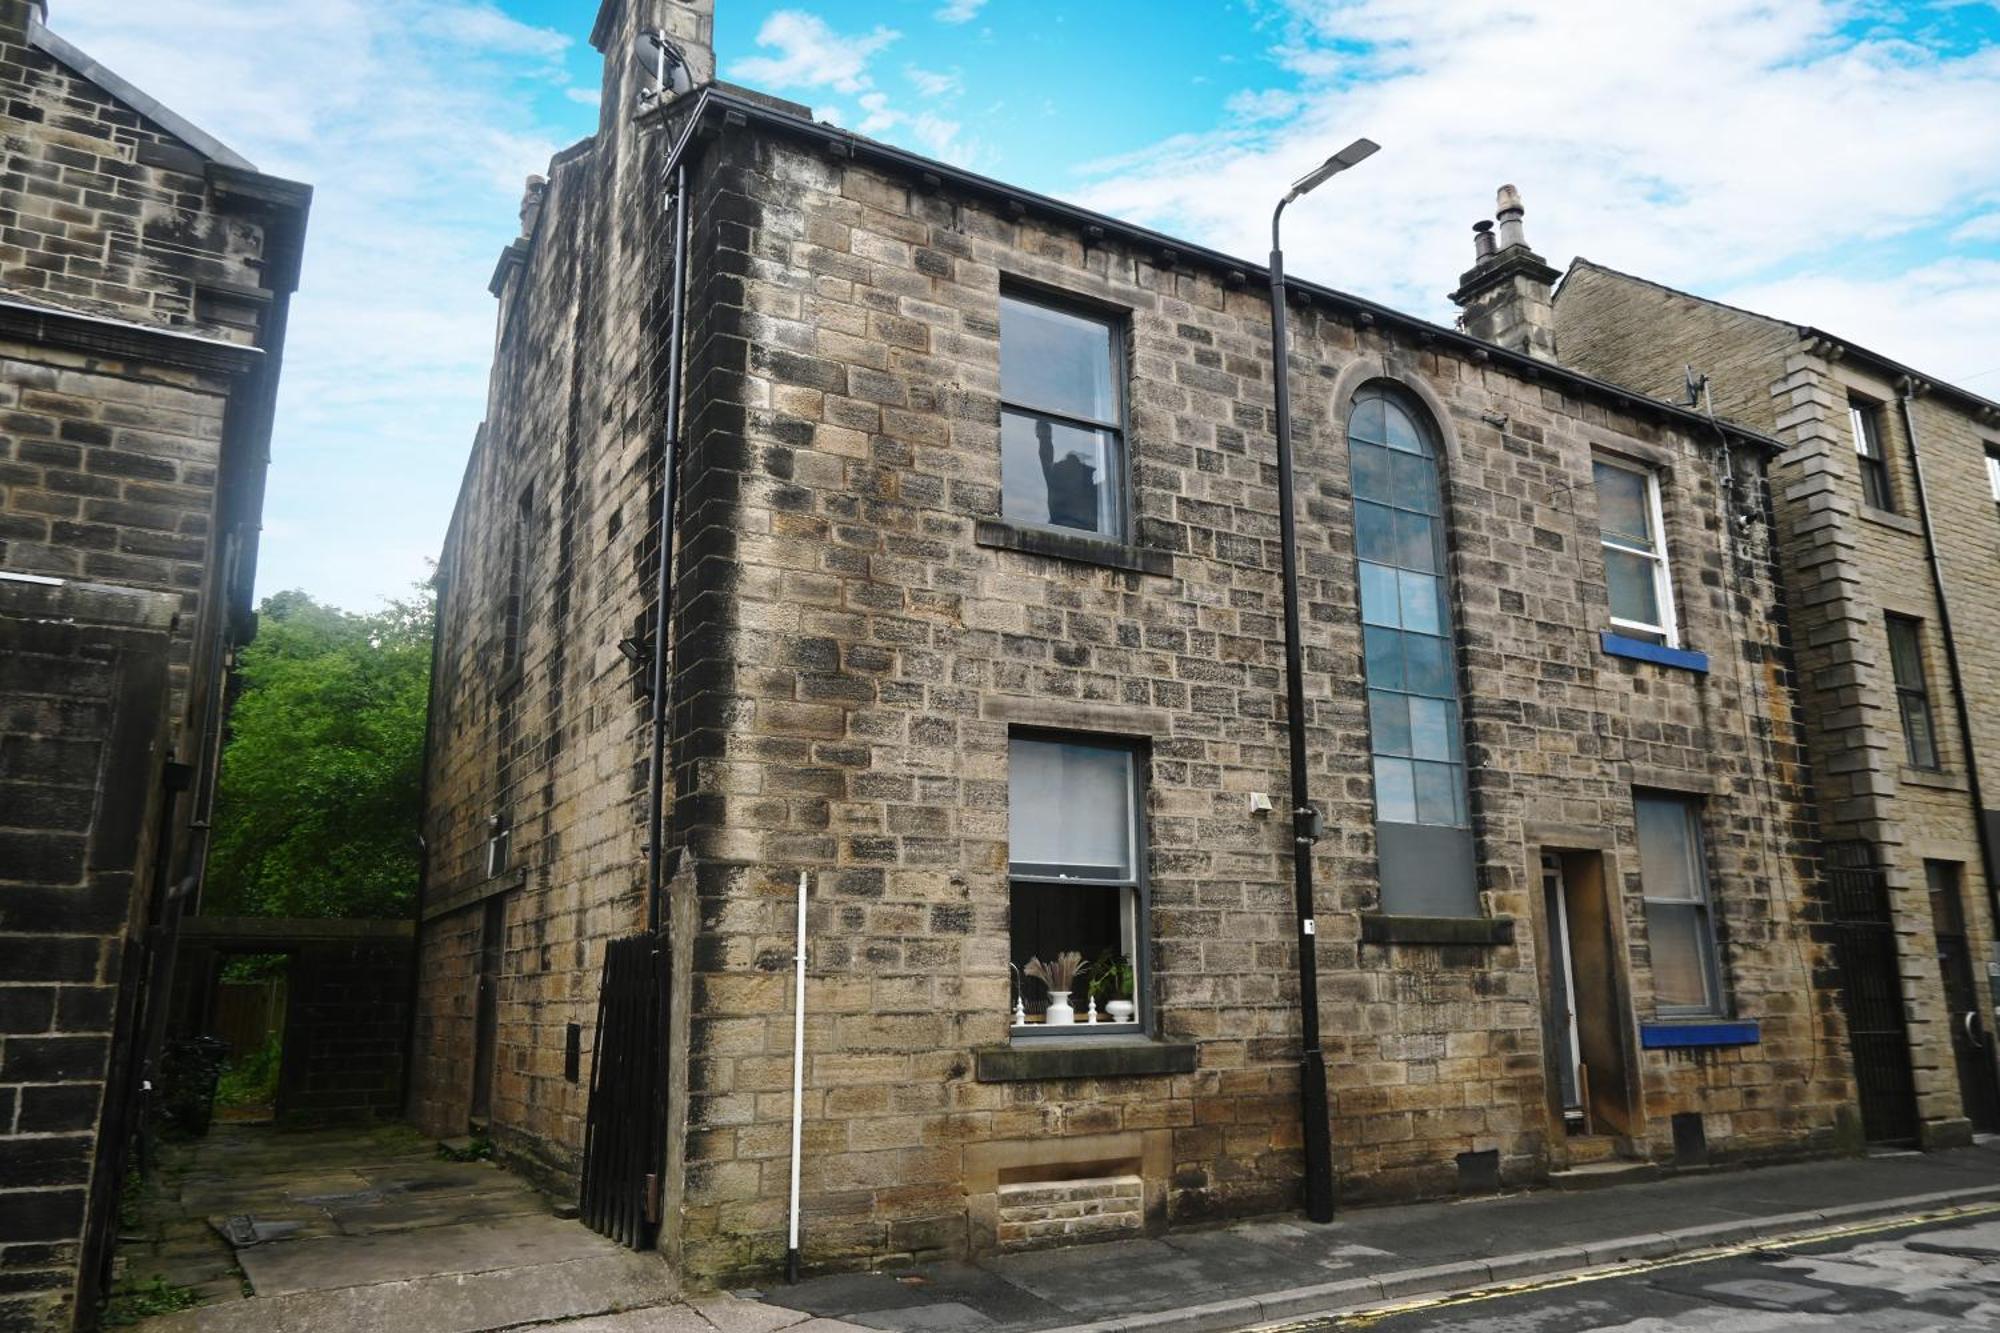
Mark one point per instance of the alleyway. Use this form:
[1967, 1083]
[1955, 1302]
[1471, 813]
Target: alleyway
[370, 1228]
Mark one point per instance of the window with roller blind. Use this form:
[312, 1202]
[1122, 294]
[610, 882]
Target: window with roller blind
[1076, 852]
[1680, 929]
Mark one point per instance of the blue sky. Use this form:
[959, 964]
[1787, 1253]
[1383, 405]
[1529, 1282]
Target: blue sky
[1831, 161]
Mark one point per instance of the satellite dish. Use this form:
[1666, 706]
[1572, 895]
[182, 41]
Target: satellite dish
[661, 65]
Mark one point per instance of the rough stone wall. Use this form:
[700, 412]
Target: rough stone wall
[555, 535]
[107, 212]
[1845, 566]
[109, 472]
[83, 693]
[870, 657]
[1640, 334]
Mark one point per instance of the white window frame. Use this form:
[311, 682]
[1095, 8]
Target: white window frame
[1694, 812]
[1663, 581]
[1993, 470]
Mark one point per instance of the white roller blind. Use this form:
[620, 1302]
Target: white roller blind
[1070, 805]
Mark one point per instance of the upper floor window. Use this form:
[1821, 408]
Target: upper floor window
[1993, 473]
[1077, 900]
[1062, 437]
[1633, 533]
[1865, 419]
[1673, 878]
[1423, 817]
[1913, 696]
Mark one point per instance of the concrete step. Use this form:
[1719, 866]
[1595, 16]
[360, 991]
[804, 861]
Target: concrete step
[1602, 1175]
[445, 1302]
[1585, 1149]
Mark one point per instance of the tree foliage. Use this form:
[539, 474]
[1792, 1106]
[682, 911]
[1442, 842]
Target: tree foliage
[322, 774]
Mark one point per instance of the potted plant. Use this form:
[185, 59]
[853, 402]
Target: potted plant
[1059, 975]
[1111, 986]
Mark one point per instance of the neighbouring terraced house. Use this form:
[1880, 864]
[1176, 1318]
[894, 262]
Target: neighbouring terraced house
[145, 274]
[973, 619]
[1886, 505]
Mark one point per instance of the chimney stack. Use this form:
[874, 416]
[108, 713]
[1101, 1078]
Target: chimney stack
[1506, 294]
[536, 189]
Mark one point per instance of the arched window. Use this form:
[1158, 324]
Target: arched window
[1423, 819]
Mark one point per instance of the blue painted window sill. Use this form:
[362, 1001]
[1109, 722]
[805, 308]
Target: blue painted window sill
[1638, 649]
[1670, 1036]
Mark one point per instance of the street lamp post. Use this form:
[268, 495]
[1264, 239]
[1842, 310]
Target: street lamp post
[1305, 818]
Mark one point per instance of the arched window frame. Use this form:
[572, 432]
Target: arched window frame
[1418, 770]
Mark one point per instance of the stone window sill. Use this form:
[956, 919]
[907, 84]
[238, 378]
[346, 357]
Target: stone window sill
[1684, 659]
[1111, 1057]
[1076, 546]
[1933, 777]
[1887, 519]
[1386, 928]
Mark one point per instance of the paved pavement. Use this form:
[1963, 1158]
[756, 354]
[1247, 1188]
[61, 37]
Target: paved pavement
[1927, 1276]
[367, 1228]
[1256, 1272]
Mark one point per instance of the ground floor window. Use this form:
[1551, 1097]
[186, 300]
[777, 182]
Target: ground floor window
[1078, 901]
[1673, 873]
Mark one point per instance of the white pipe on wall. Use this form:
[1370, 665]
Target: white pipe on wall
[798, 1076]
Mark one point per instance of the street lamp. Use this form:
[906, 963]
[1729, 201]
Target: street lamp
[1305, 818]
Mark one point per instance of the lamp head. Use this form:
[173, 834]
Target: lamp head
[1349, 156]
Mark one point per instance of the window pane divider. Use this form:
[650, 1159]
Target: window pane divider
[1084, 423]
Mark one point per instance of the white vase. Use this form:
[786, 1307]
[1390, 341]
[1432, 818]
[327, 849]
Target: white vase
[1061, 1013]
[1118, 1011]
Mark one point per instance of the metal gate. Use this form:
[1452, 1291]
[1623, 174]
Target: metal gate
[623, 1141]
[1871, 984]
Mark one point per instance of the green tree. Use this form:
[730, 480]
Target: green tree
[322, 775]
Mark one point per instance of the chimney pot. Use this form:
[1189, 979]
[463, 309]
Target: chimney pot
[531, 203]
[1509, 211]
[1483, 246]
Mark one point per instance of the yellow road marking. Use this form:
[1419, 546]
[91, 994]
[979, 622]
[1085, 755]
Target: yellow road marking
[1374, 1315]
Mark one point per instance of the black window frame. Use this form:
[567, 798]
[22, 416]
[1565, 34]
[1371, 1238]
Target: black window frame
[1117, 321]
[1913, 697]
[1145, 1018]
[1694, 811]
[1864, 421]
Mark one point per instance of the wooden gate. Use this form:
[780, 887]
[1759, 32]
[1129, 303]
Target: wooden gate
[1871, 983]
[623, 1138]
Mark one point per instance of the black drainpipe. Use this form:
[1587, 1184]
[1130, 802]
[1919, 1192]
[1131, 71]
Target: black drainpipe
[1905, 391]
[663, 585]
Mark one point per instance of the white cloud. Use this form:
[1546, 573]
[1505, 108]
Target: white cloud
[587, 96]
[1710, 145]
[935, 83]
[877, 118]
[1985, 227]
[414, 124]
[809, 54]
[960, 11]
[1937, 318]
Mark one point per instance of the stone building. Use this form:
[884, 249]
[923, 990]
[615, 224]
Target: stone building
[1884, 505]
[144, 275]
[975, 619]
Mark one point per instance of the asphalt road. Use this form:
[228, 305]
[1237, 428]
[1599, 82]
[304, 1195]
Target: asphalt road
[1942, 1275]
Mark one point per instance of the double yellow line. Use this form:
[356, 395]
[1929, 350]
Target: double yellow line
[1376, 1314]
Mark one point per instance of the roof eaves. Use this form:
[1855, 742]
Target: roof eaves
[847, 143]
[60, 49]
